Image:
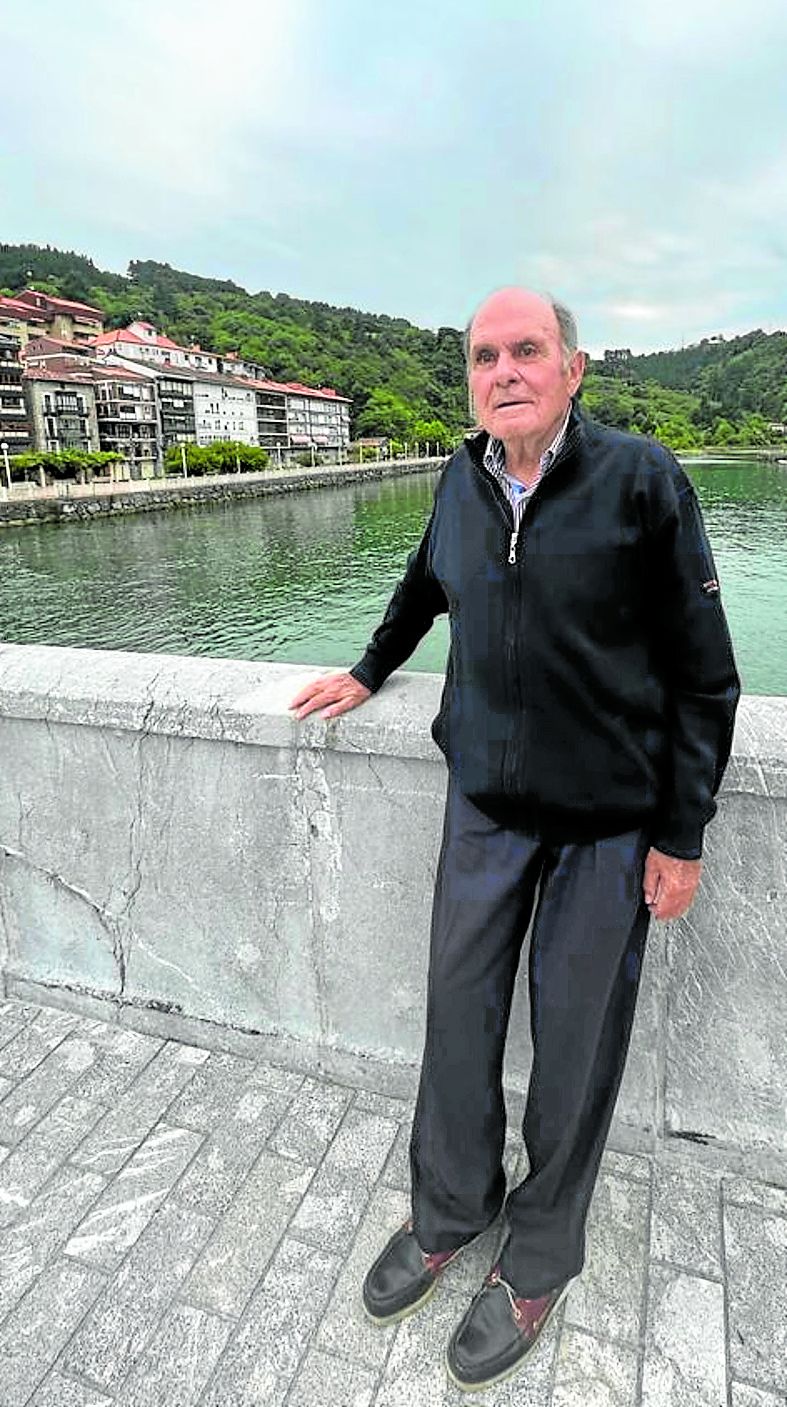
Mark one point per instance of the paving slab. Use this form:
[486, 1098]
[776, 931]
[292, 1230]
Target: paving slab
[331, 1382]
[137, 1111]
[607, 1297]
[178, 1361]
[594, 1371]
[756, 1252]
[34, 1041]
[685, 1363]
[686, 1224]
[52, 1078]
[58, 1390]
[131, 1199]
[45, 1226]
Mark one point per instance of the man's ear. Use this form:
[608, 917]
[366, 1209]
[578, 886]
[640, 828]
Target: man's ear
[576, 370]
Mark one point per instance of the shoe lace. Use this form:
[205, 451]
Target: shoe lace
[495, 1278]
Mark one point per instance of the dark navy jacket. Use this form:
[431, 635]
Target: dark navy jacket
[591, 686]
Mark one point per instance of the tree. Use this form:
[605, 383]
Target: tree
[386, 414]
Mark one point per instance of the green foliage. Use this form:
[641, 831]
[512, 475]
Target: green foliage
[386, 414]
[65, 464]
[222, 457]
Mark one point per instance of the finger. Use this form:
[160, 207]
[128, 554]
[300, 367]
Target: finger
[302, 697]
[654, 892]
[343, 706]
[318, 700]
[304, 694]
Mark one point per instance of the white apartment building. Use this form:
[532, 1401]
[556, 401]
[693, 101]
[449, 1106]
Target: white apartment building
[319, 418]
[224, 409]
[143, 342]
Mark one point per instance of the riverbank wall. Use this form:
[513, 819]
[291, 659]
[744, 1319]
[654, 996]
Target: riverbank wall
[180, 856]
[150, 495]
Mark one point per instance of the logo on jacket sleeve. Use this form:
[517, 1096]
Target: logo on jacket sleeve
[711, 588]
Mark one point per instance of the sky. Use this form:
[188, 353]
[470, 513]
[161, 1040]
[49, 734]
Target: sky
[628, 156]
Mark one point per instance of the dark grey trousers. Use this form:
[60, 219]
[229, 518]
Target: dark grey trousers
[586, 951]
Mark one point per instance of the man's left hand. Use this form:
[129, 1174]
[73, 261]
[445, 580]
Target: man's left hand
[669, 884]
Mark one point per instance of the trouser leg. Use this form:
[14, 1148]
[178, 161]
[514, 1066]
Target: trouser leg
[585, 961]
[484, 892]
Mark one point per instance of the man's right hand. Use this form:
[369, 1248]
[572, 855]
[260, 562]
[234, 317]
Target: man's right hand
[332, 693]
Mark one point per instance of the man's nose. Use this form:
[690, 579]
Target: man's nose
[507, 368]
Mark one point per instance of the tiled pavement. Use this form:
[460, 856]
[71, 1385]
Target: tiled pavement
[179, 1227]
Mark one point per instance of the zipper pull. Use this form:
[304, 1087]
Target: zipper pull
[512, 546]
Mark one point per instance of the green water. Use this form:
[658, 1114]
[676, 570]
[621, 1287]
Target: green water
[306, 577]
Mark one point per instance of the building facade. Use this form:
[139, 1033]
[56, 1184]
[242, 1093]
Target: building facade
[62, 406]
[62, 317]
[225, 408]
[128, 421]
[176, 409]
[318, 418]
[141, 341]
[15, 426]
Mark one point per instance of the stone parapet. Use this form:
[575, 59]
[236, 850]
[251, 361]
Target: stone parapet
[178, 854]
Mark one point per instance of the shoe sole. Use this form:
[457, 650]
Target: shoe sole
[509, 1372]
[382, 1321]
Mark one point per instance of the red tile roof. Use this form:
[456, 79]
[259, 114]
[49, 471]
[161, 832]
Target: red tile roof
[59, 369]
[296, 388]
[64, 305]
[118, 334]
[11, 307]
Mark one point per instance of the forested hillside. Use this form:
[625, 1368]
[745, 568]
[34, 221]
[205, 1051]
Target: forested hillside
[409, 382]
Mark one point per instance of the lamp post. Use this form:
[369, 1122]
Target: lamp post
[183, 461]
[7, 466]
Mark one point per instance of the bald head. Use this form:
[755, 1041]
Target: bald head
[516, 299]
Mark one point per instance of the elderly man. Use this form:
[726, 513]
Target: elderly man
[586, 721]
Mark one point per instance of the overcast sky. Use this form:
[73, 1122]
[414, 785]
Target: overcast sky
[629, 156]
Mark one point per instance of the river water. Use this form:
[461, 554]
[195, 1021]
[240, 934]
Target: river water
[306, 577]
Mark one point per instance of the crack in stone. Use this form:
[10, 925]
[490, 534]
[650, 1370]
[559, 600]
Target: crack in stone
[107, 920]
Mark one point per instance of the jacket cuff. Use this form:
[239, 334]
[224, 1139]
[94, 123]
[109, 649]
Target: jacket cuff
[684, 843]
[365, 673]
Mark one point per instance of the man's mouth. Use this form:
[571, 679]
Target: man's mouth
[506, 405]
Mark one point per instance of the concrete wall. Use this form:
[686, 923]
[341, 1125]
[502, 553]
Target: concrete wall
[177, 853]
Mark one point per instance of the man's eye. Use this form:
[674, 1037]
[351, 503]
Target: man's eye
[526, 349]
[484, 356]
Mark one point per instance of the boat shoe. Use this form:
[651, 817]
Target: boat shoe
[403, 1277]
[498, 1332]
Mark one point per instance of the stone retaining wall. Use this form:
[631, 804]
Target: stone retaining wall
[155, 494]
[178, 854]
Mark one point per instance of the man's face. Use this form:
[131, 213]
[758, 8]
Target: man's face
[518, 378]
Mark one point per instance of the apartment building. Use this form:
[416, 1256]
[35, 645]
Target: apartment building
[17, 320]
[61, 317]
[141, 341]
[127, 416]
[225, 408]
[320, 418]
[62, 405]
[15, 428]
